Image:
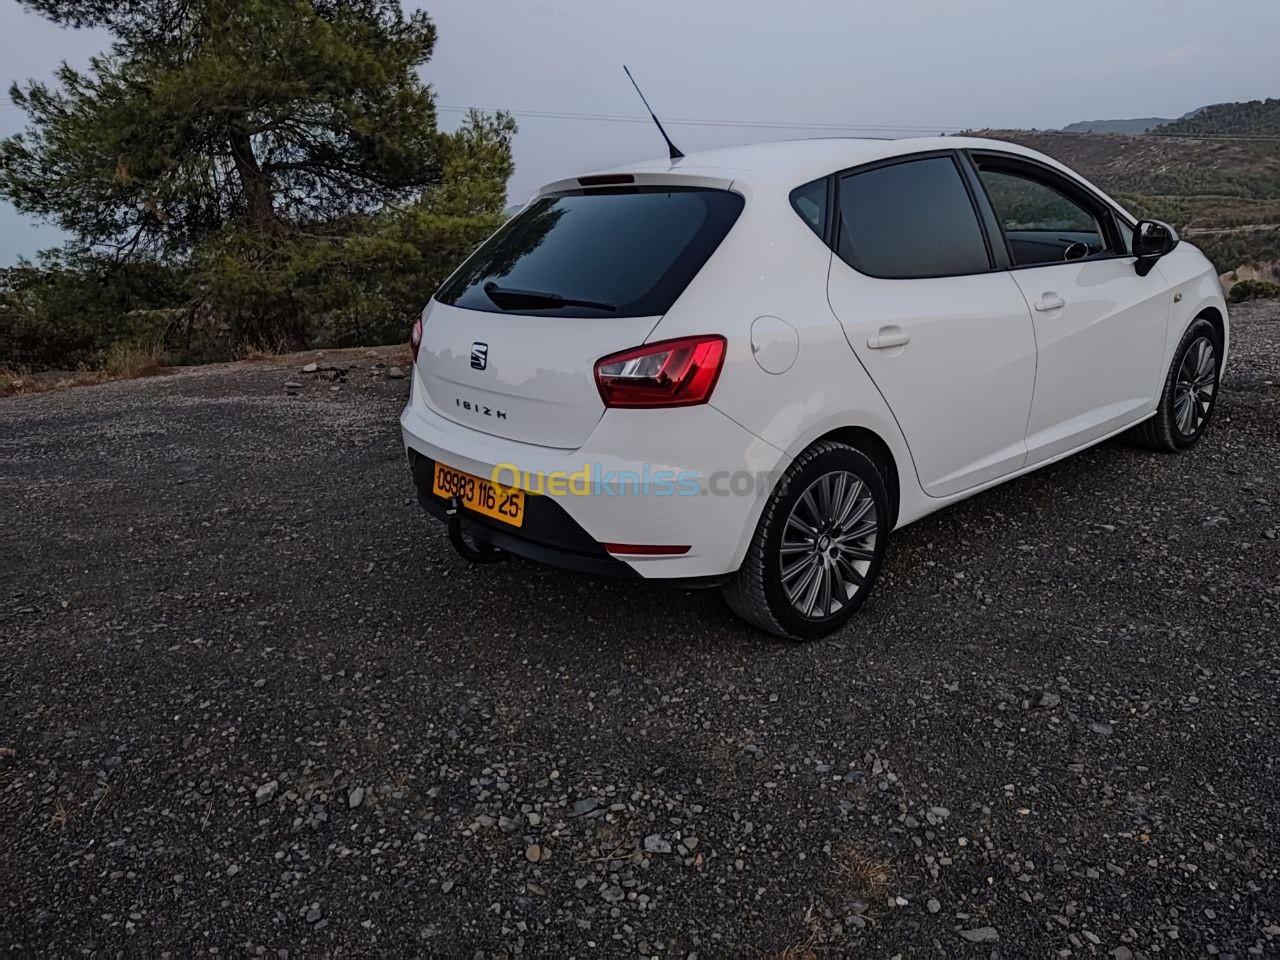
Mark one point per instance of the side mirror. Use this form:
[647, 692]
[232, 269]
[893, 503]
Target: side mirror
[1152, 239]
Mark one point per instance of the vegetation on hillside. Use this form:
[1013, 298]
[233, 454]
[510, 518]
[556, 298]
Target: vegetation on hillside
[1253, 118]
[241, 173]
[1162, 166]
[1223, 195]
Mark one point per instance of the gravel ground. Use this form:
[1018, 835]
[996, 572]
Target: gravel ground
[253, 704]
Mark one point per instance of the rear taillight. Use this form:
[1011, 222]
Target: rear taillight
[671, 373]
[415, 339]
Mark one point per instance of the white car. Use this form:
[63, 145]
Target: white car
[745, 367]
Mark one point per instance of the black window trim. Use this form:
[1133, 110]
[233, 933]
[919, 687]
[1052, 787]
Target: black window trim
[835, 219]
[833, 209]
[989, 224]
[1103, 210]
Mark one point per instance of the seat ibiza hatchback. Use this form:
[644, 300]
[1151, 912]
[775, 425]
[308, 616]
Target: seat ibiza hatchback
[746, 367]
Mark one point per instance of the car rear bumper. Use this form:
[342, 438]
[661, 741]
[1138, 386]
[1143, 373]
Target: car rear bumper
[724, 474]
[548, 534]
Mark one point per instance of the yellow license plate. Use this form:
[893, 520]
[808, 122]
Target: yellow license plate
[483, 496]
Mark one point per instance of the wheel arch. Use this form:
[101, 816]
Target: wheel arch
[873, 445]
[1215, 317]
[1214, 311]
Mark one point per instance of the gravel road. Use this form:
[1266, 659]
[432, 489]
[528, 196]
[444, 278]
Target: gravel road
[252, 704]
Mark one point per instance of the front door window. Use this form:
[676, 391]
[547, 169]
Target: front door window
[1041, 224]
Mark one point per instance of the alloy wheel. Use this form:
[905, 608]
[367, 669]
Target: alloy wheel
[828, 544]
[1194, 389]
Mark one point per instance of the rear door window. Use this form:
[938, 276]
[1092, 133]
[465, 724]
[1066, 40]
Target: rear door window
[628, 252]
[910, 219]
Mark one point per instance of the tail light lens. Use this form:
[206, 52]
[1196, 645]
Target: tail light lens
[670, 373]
[415, 338]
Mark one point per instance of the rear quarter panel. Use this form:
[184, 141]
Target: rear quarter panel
[772, 265]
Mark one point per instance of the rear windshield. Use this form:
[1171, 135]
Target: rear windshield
[628, 252]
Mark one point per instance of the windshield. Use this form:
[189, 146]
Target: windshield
[628, 252]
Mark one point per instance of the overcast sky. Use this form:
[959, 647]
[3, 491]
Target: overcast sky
[931, 64]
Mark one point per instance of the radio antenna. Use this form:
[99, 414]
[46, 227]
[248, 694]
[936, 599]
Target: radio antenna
[675, 151]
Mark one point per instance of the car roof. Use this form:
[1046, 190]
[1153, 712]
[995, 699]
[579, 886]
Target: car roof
[788, 163]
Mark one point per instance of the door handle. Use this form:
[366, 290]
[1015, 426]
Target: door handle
[889, 337]
[1050, 301]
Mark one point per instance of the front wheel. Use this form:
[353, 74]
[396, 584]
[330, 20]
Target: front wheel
[818, 547]
[1190, 392]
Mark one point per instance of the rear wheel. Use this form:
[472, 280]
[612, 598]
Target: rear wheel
[1189, 394]
[819, 545]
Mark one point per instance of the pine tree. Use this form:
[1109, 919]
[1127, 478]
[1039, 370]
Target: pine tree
[269, 148]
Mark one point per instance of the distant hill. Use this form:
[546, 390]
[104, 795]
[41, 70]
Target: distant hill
[1139, 125]
[1222, 194]
[1253, 118]
[1162, 166]
[1116, 126]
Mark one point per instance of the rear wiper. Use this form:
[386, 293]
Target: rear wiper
[509, 299]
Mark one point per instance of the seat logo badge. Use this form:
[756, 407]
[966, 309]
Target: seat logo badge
[479, 356]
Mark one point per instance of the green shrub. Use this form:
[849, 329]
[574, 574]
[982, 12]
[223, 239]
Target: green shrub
[1254, 290]
[356, 283]
[66, 312]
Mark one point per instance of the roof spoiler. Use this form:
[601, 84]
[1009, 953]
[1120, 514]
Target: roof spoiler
[614, 179]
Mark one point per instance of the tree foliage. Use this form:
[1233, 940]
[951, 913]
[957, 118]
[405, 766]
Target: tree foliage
[69, 308]
[281, 157]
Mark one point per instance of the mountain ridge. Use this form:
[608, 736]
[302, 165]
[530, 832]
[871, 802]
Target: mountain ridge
[1135, 125]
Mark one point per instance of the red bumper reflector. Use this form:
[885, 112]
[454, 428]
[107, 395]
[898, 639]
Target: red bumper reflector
[647, 549]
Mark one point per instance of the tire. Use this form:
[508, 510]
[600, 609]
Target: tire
[1170, 429]
[773, 594]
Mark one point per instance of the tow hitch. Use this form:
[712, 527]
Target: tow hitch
[475, 552]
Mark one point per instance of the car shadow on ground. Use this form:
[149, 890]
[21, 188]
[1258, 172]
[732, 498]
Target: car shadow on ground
[664, 619]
